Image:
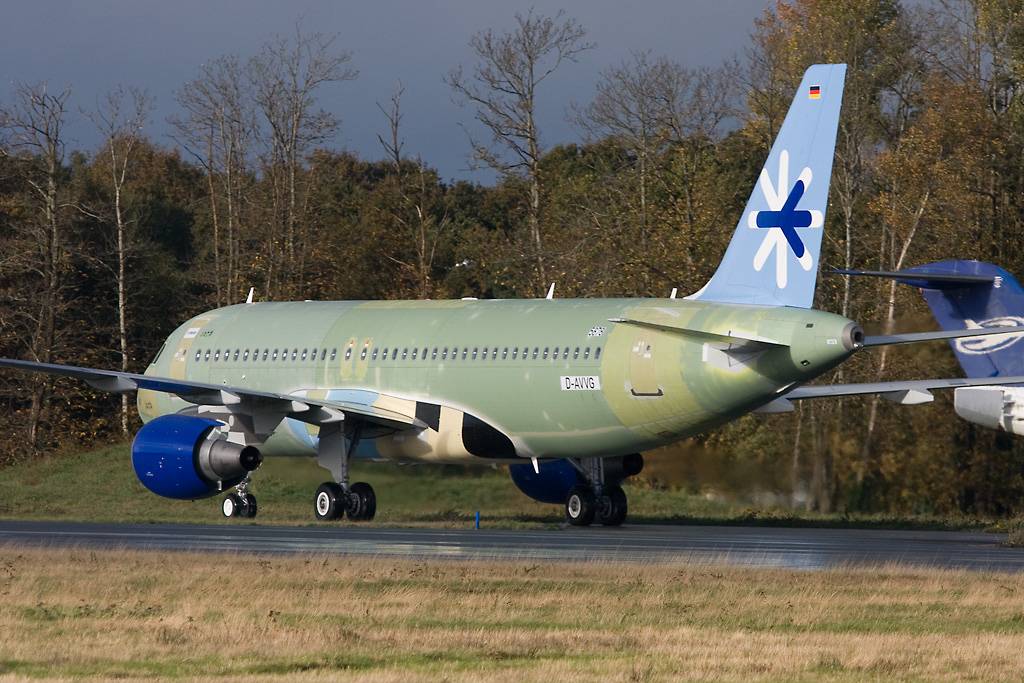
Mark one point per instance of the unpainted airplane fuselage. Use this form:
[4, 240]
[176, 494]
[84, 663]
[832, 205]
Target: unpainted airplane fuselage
[501, 380]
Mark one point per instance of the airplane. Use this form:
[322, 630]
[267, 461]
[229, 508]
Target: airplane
[975, 295]
[565, 392]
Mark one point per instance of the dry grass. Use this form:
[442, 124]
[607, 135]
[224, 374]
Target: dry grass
[119, 614]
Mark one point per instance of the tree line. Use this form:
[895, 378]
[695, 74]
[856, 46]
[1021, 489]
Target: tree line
[106, 250]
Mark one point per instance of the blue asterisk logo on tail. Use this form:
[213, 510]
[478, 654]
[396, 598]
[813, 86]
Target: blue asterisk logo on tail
[782, 220]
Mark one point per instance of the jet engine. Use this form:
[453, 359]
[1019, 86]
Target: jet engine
[184, 457]
[994, 407]
[551, 485]
[557, 477]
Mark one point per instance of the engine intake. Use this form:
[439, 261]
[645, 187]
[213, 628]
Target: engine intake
[184, 457]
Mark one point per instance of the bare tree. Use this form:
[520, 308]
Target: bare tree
[32, 128]
[120, 118]
[503, 90]
[417, 219]
[285, 76]
[217, 129]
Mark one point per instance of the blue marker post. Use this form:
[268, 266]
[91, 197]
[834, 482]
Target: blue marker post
[477, 519]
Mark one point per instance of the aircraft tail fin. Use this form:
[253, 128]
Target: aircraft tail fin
[971, 294]
[773, 256]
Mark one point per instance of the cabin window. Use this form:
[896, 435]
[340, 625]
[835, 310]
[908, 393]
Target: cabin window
[565, 353]
[295, 354]
[483, 356]
[384, 356]
[576, 353]
[266, 352]
[554, 356]
[405, 353]
[586, 353]
[362, 354]
[323, 354]
[245, 356]
[504, 353]
[255, 355]
[475, 351]
[415, 354]
[545, 353]
[334, 354]
[515, 352]
[444, 353]
[465, 352]
[455, 353]
[536, 351]
[216, 355]
[197, 354]
[348, 353]
[274, 356]
[235, 357]
[424, 356]
[304, 352]
[206, 356]
[374, 356]
[597, 353]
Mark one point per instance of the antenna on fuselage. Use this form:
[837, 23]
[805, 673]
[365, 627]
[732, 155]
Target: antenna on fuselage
[551, 291]
[675, 290]
[252, 292]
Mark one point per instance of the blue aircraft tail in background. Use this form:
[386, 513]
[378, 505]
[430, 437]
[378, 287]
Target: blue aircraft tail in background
[971, 294]
[773, 256]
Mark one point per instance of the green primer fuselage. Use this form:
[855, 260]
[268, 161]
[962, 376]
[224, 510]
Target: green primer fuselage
[557, 377]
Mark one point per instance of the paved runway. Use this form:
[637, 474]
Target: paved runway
[750, 546]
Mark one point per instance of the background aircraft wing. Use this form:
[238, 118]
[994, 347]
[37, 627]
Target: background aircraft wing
[260, 405]
[914, 337]
[900, 391]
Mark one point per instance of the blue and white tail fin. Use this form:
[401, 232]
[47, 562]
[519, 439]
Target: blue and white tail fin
[972, 294]
[773, 256]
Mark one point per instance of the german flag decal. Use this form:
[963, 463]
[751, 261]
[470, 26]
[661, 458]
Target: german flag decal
[814, 93]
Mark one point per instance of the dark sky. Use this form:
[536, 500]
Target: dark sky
[92, 46]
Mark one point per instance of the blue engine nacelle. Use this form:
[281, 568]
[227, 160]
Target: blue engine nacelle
[183, 457]
[551, 485]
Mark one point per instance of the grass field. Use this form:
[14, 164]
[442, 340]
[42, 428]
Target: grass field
[101, 486]
[128, 615]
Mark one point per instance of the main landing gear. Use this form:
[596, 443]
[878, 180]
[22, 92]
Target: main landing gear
[338, 498]
[600, 497]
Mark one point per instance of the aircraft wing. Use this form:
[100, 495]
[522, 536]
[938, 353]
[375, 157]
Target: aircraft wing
[901, 391]
[258, 405]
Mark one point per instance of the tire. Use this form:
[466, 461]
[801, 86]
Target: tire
[231, 506]
[579, 506]
[614, 508]
[367, 501]
[249, 506]
[328, 504]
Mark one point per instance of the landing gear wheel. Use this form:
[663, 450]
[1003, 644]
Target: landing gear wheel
[231, 505]
[362, 502]
[249, 506]
[612, 508]
[329, 501]
[579, 506]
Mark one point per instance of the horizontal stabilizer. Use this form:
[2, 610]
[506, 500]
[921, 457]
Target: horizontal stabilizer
[730, 336]
[924, 279]
[914, 337]
[908, 391]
